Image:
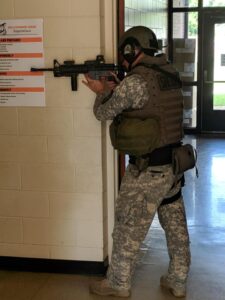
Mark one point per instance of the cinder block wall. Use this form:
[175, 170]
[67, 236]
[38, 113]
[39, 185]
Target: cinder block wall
[52, 161]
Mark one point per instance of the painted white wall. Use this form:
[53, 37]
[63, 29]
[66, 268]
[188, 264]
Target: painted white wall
[57, 182]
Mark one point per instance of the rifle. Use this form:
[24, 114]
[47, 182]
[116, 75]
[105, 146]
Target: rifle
[97, 69]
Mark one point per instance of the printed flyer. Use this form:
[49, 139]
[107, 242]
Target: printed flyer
[21, 47]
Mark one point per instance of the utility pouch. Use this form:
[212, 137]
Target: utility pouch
[135, 136]
[184, 158]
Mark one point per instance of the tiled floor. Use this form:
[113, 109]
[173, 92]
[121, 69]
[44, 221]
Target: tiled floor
[205, 204]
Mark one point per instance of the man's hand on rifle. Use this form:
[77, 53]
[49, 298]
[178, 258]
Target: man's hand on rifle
[97, 86]
[113, 81]
[102, 85]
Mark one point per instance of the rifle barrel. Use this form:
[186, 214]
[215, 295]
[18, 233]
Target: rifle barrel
[41, 69]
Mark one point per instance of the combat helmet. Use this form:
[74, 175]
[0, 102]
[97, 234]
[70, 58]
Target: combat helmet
[138, 37]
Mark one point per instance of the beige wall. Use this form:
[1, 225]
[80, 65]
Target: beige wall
[55, 191]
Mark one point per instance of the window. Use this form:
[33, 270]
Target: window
[152, 14]
[185, 50]
[185, 3]
[213, 3]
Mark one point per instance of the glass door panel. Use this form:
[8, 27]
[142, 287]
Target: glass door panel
[213, 93]
[219, 68]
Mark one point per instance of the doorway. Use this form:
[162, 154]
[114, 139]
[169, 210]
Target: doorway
[196, 33]
[213, 66]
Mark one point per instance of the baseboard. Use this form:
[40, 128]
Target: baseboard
[53, 265]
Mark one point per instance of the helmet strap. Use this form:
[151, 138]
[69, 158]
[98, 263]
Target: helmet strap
[135, 57]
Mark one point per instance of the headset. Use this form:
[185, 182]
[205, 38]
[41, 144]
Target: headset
[130, 49]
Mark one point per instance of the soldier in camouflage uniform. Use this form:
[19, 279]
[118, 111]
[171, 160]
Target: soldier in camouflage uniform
[153, 188]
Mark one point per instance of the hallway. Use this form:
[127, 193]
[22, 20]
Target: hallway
[205, 205]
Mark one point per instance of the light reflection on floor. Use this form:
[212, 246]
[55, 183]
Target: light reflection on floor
[204, 199]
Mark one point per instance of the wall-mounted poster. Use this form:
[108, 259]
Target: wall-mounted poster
[21, 46]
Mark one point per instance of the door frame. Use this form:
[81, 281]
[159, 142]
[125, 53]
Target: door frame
[199, 83]
[206, 112]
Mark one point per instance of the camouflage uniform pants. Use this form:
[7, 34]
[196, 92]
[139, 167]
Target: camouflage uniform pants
[138, 201]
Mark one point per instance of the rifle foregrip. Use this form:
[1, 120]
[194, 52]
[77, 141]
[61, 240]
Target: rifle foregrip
[74, 82]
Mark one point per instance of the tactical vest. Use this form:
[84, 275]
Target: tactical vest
[165, 98]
